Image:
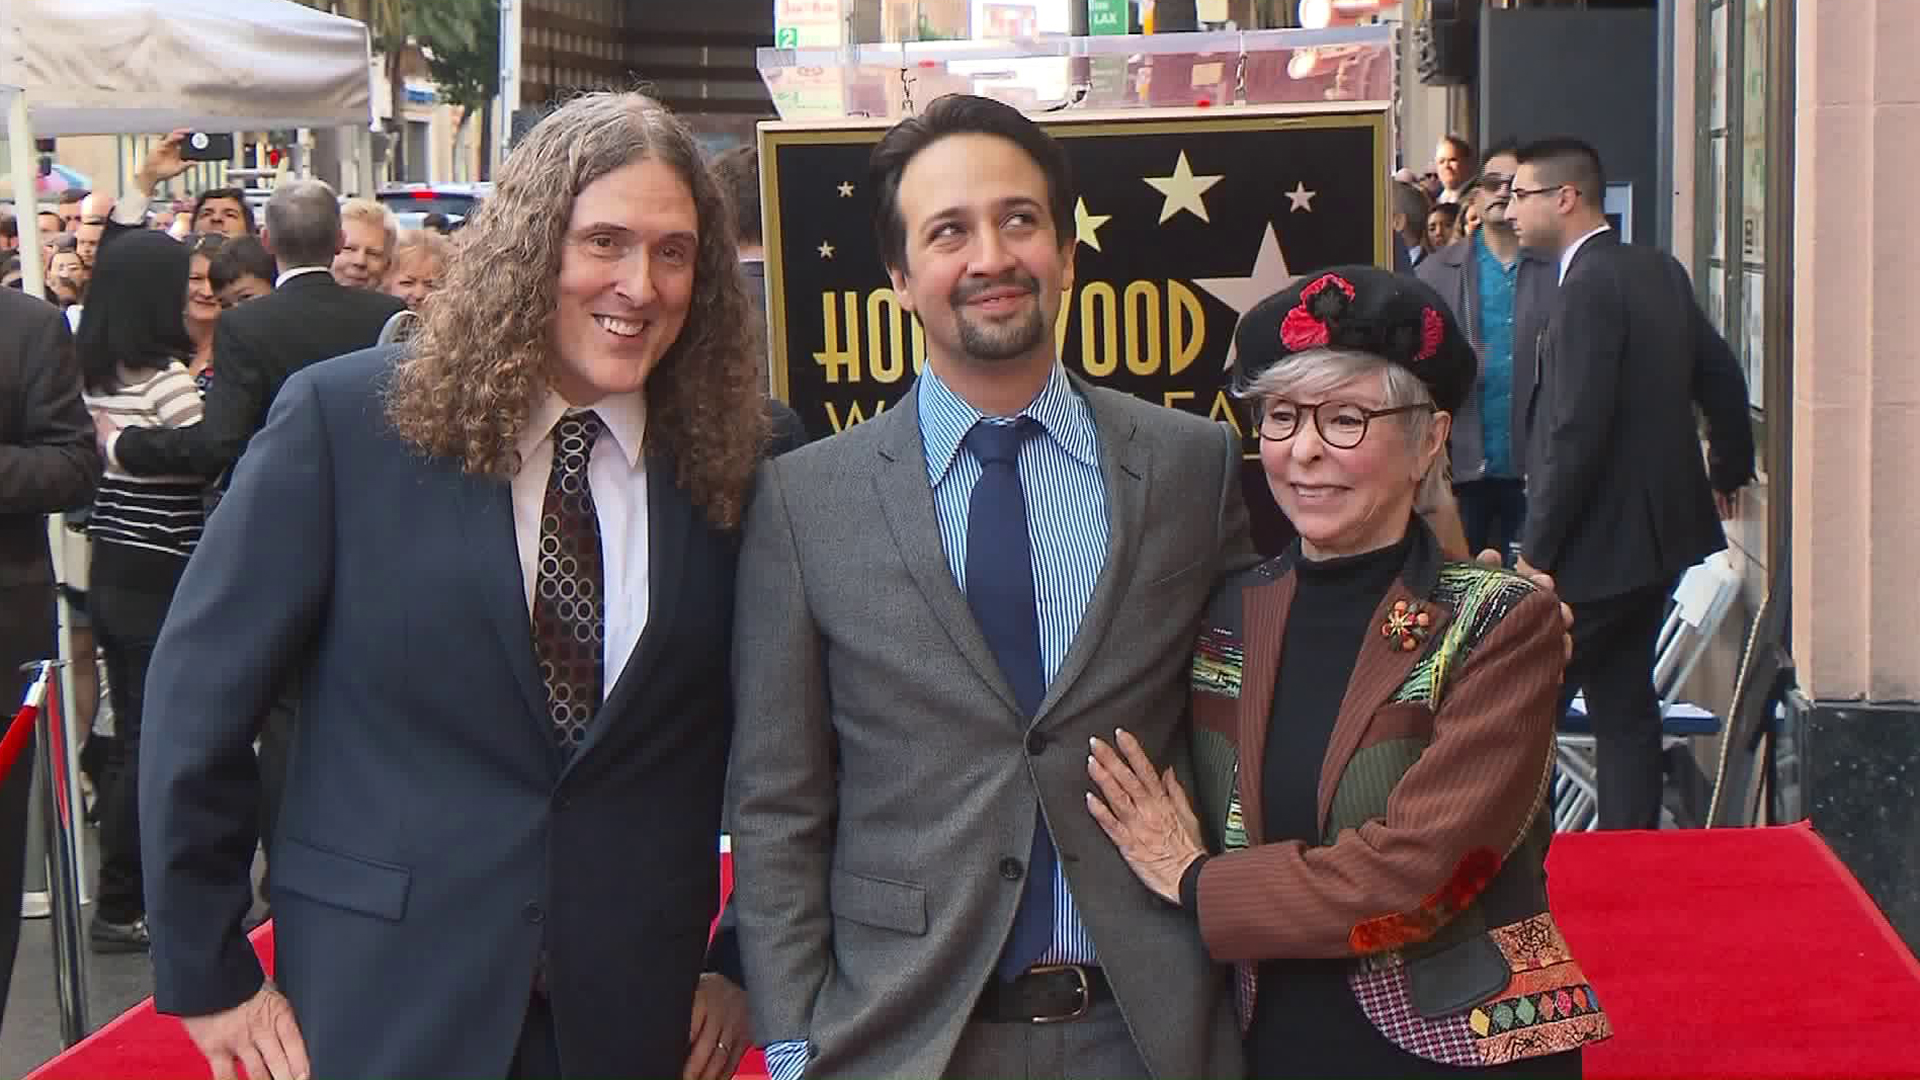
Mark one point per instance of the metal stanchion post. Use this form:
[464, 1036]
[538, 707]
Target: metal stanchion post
[69, 949]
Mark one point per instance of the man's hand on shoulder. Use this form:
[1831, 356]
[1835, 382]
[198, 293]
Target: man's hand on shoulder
[718, 1037]
[104, 429]
[1543, 581]
[260, 1033]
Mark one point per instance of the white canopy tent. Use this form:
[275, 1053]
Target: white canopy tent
[109, 67]
[114, 67]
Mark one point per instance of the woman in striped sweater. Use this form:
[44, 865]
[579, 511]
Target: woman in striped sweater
[131, 341]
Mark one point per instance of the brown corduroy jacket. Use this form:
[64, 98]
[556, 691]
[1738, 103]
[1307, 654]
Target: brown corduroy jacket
[1430, 870]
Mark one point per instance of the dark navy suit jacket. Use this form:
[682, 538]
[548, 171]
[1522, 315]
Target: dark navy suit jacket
[432, 845]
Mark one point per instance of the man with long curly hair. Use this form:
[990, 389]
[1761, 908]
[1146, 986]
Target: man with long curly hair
[502, 557]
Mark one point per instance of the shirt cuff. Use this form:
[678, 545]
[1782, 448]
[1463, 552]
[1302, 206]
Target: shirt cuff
[113, 462]
[788, 1058]
[131, 210]
[1190, 884]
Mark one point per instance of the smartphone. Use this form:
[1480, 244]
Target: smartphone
[206, 146]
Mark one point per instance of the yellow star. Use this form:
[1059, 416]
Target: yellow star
[1183, 190]
[846, 189]
[825, 249]
[1086, 226]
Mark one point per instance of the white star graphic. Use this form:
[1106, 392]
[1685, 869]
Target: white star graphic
[825, 249]
[1301, 198]
[1269, 276]
[1183, 190]
[846, 189]
[1086, 227]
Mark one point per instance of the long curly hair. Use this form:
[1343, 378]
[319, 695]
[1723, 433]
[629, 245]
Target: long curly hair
[483, 356]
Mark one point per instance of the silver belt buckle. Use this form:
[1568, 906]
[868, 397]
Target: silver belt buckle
[1086, 992]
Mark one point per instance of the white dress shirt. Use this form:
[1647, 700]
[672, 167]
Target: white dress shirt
[289, 275]
[1566, 257]
[617, 476]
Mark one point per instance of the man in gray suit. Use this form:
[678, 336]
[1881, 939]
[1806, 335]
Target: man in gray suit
[937, 610]
[1501, 293]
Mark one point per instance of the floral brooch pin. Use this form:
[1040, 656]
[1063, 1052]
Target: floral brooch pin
[1406, 625]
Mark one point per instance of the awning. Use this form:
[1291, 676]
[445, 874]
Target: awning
[107, 67]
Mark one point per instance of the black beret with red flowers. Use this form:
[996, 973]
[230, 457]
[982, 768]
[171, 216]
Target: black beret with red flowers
[1395, 317]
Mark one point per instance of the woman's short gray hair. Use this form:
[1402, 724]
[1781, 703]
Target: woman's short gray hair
[1314, 374]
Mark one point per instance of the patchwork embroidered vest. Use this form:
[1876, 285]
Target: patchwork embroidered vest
[1479, 975]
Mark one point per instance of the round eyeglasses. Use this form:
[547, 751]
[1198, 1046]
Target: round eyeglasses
[1341, 424]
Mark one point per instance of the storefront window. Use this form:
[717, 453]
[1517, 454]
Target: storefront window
[1732, 202]
[1753, 194]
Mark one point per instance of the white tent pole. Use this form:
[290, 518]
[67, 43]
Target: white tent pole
[26, 194]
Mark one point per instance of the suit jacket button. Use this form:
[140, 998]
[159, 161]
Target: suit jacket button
[1036, 743]
[1011, 869]
[533, 913]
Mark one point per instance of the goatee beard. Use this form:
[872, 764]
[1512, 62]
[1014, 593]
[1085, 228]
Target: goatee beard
[1004, 341]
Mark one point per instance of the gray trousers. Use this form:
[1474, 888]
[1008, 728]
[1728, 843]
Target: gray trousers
[1097, 1046]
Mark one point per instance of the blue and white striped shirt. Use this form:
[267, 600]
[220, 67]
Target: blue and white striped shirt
[1067, 524]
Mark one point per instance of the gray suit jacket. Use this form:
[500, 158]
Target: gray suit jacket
[1452, 274]
[882, 771]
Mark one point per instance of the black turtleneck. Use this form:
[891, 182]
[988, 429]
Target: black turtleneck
[1306, 1023]
[1330, 618]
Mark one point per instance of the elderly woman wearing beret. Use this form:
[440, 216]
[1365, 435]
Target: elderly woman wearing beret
[1373, 731]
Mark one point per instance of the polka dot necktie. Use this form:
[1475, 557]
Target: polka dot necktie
[569, 606]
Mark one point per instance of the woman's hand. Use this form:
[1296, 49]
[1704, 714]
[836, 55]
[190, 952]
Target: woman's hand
[1146, 814]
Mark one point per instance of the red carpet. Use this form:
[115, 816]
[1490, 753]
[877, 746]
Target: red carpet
[1737, 953]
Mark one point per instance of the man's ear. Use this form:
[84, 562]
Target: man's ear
[266, 240]
[898, 276]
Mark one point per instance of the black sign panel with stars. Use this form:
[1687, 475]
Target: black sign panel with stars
[1183, 220]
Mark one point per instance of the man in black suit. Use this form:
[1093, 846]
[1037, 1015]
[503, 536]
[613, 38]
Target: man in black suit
[1619, 502]
[503, 554]
[738, 171]
[259, 345]
[47, 465]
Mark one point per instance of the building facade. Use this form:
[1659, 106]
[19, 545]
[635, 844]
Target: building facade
[1796, 135]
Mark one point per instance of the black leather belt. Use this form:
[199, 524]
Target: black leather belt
[1043, 994]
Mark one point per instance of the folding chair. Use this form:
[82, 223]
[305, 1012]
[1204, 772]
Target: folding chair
[1700, 603]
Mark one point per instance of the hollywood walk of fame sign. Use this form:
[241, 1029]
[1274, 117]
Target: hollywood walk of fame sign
[1182, 220]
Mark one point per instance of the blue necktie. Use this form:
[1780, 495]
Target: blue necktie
[1000, 592]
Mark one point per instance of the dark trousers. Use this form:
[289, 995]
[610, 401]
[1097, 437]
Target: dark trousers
[26, 634]
[1492, 512]
[538, 1055]
[1613, 645]
[126, 623]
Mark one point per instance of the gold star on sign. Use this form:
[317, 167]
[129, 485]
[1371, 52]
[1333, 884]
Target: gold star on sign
[846, 189]
[1086, 227]
[825, 249]
[1183, 190]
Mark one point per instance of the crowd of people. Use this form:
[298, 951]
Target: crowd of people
[492, 625]
[70, 238]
